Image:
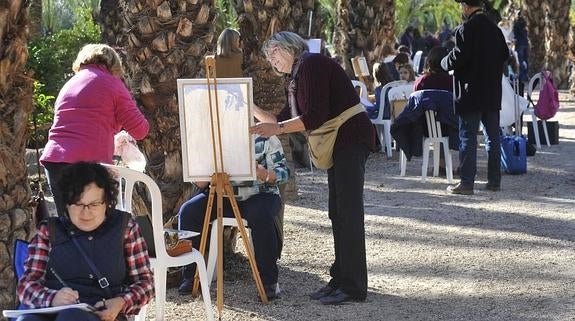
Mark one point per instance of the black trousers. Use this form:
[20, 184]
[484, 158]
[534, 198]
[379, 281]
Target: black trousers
[259, 210]
[53, 171]
[345, 180]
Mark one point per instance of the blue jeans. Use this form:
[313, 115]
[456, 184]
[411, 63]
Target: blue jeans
[468, 126]
[259, 210]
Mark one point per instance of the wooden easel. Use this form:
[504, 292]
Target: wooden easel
[220, 186]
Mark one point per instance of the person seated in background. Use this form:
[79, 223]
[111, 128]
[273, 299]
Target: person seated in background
[58, 271]
[383, 76]
[406, 73]
[404, 49]
[229, 56]
[400, 60]
[388, 54]
[259, 203]
[434, 77]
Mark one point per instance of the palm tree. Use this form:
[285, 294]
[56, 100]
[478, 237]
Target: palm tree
[548, 27]
[558, 40]
[363, 27]
[166, 41]
[15, 106]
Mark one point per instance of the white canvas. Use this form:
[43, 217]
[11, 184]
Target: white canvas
[233, 100]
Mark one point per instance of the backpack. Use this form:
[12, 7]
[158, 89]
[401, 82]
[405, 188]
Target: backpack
[548, 102]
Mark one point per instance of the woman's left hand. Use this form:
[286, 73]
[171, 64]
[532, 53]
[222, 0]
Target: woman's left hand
[108, 310]
[265, 129]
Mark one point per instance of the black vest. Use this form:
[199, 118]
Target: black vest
[105, 246]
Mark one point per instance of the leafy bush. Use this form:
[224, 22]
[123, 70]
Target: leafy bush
[44, 113]
[51, 59]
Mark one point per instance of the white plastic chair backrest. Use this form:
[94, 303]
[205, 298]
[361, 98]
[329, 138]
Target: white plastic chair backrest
[382, 98]
[433, 126]
[400, 92]
[534, 82]
[127, 178]
[362, 88]
[417, 61]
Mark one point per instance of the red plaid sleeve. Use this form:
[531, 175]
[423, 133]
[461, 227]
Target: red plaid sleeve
[31, 290]
[141, 288]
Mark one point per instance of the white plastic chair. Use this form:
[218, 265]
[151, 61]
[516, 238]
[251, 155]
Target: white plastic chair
[363, 94]
[127, 179]
[383, 126]
[417, 61]
[535, 82]
[213, 253]
[437, 140]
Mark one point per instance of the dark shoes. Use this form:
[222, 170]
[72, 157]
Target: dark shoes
[325, 291]
[273, 291]
[460, 189]
[337, 297]
[186, 287]
[492, 187]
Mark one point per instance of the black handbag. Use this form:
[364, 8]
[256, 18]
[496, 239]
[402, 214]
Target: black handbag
[37, 202]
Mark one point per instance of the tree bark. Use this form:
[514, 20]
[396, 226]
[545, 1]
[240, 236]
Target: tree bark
[363, 27]
[557, 41]
[15, 107]
[166, 40]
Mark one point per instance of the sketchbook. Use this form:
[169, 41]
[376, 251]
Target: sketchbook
[50, 310]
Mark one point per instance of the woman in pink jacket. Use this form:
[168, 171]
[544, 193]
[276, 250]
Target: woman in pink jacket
[90, 109]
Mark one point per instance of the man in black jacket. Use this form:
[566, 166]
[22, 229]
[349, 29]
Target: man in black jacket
[477, 60]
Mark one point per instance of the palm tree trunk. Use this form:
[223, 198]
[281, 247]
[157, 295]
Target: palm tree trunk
[363, 27]
[534, 13]
[15, 107]
[558, 41]
[166, 41]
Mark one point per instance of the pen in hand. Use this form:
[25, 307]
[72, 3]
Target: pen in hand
[64, 284]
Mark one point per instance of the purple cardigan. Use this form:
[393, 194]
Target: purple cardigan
[323, 91]
[90, 109]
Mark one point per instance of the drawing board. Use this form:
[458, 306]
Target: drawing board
[234, 97]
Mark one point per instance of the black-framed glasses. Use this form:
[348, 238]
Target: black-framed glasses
[92, 206]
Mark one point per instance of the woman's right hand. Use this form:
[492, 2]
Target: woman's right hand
[65, 296]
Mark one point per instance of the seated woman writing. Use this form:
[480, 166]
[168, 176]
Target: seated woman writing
[259, 203]
[93, 254]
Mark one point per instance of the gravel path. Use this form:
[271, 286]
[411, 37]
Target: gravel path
[431, 256]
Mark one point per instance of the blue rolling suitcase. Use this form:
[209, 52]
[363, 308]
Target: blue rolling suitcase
[514, 147]
[514, 154]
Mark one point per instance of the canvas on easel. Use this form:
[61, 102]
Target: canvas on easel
[235, 97]
[360, 67]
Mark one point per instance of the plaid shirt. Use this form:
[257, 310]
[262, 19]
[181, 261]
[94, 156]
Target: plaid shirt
[32, 292]
[270, 155]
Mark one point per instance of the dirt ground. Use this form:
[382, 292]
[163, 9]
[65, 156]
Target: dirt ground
[431, 256]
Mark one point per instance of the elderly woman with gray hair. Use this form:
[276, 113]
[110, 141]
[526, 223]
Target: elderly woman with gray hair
[90, 109]
[322, 101]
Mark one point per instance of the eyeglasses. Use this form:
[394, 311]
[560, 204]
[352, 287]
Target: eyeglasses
[78, 207]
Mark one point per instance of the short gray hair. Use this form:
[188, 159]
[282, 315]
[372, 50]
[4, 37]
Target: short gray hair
[288, 41]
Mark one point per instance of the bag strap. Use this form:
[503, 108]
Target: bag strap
[102, 280]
